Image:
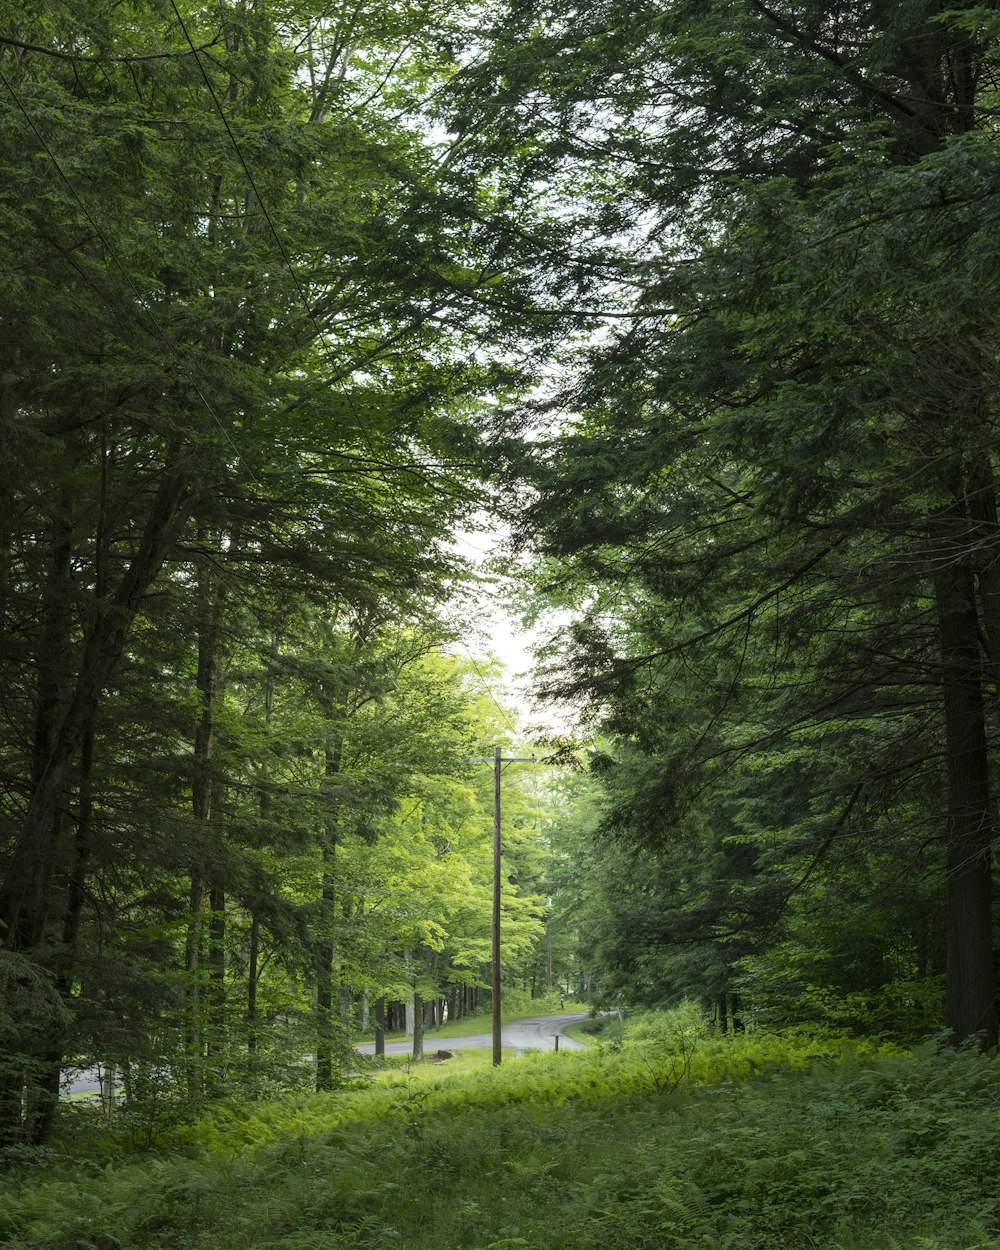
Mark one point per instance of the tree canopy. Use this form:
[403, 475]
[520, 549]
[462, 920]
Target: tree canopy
[698, 299]
[766, 486]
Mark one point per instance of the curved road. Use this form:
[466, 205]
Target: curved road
[533, 1033]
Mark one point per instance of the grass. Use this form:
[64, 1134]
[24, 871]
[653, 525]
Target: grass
[461, 1063]
[673, 1140]
[466, 1027]
[470, 1026]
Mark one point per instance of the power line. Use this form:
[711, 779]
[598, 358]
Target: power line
[95, 226]
[271, 226]
[482, 677]
[102, 60]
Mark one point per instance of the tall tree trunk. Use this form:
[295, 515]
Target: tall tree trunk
[211, 606]
[408, 1012]
[82, 843]
[264, 801]
[984, 534]
[346, 989]
[194, 1025]
[418, 1026]
[254, 961]
[217, 1049]
[325, 958]
[324, 974]
[970, 1005]
[216, 1015]
[380, 1025]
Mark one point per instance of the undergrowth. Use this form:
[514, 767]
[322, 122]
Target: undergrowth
[686, 1142]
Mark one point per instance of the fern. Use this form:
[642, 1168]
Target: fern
[825, 1145]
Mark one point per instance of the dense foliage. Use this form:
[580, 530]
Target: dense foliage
[701, 297]
[676, 1140]
[763, 487]
[242, 354]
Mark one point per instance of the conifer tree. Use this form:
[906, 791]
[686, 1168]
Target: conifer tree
[786, 424]
[233, 376]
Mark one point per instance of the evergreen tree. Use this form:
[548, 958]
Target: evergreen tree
[788, 446]
[235, 376]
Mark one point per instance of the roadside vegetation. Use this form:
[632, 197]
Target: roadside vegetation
[668, 1135]
[517, 1006]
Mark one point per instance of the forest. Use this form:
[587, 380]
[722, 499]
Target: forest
[684, 310]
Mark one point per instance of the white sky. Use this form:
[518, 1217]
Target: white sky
[499, 632]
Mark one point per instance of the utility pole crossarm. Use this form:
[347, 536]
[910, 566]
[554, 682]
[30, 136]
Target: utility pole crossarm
[504, 759]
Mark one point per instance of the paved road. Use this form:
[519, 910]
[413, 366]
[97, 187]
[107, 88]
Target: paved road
[534, 1033]
[84, 1083]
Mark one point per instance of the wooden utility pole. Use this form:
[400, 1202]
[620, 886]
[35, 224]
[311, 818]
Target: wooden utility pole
[548, 944]
[498, 760]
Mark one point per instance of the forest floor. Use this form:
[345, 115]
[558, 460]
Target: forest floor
[755, 1142]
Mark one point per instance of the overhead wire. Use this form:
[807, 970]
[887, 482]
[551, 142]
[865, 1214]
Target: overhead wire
[286, 259]
[60, 55]
[140, 300]
[482, 677]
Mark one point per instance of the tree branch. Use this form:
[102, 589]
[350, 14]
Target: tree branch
[101, 60]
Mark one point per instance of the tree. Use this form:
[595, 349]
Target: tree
[235, 377]
[793, 432]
